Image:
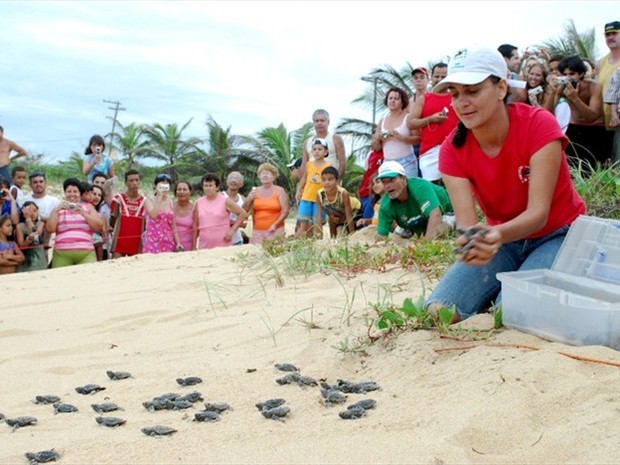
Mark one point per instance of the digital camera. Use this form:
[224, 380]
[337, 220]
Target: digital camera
[164, 188]
[536, 90]
[98, 150]
[71, 206]
[562, 80]
[385, 134]
[445, 111]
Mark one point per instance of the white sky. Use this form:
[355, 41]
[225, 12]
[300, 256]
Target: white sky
[250, 65]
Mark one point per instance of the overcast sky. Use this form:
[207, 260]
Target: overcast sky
[249, 65]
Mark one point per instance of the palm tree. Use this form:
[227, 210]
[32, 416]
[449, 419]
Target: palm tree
[573, 42]
[165, 143]
[129, 141]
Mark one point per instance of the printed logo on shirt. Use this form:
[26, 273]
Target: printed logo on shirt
[524, 173]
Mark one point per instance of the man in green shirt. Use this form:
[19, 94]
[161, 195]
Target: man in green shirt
[414, 204]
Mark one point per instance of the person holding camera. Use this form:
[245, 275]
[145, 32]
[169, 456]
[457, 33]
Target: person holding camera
[160, 234]
[74, 223]
[95, 162]
[590, 142]
[397, 138]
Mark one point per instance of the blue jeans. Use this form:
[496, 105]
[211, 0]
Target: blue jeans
[473, 288]
[410, 165]
[5, 173]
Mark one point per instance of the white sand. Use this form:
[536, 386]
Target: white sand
[203, 314]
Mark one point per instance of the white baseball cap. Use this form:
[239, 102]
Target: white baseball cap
[390, 169]
[472, 66]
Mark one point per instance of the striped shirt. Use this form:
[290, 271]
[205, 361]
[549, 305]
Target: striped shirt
[73, 231]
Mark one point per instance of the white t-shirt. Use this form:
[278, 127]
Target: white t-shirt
[46, 205]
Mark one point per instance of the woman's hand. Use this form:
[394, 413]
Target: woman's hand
[478, 244]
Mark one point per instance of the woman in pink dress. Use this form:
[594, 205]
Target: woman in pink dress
[212, 226]
[184, 213]
[160, 234]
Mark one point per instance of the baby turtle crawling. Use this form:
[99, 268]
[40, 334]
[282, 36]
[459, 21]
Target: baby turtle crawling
[64, 408]
[158, 403]
[356, 388]
[207, 416]
[118, 375]
[43, 456]
[47, 399]
[105, 407]
[352, 413]
[269, 404]
[332, 397]
[286, 367]
[158, 430]
[217, 407]
[110, 422]
[366, 404]
[277, 413]
[89, 389]
[295, 377]
[20, 422]
[189, 381]
[192, 397]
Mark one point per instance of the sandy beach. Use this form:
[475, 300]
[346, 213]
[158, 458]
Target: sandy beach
[228, 319]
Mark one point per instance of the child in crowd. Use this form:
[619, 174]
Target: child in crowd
[8, 205]
[10, 254]
[309, 185]
[18, 179]
[371, 212]
[337, 203]
[29, 236]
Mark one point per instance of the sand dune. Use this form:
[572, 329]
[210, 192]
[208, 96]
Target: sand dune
[205, 314]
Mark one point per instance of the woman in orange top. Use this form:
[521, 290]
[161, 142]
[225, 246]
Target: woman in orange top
[270, 204]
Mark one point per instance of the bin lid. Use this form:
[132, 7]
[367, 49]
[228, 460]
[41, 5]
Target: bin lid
[591, 249]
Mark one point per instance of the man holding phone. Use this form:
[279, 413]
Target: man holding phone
[95, 161]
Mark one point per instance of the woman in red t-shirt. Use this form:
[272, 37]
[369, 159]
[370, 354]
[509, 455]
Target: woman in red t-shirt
[509, 158]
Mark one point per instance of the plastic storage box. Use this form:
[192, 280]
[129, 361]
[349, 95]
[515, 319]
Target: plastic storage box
[577, 301]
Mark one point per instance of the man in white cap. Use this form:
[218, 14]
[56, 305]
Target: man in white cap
[414, 204]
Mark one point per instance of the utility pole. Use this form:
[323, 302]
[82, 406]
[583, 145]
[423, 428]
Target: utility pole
[117, 107]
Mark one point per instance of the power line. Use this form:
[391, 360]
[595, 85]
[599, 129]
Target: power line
[117, 107]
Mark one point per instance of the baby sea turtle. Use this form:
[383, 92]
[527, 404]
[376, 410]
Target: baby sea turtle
[218, 407]
[43, 456]
[158, 403]
[64, 408]
[105, 407]
[208, 416]
[118, 375]
[181, 404]
[352, 413]
[189, 381]
[194, 396]
[20, 422]
[111, 422]
[158, 430]
[333, 396]
[356, 388]
[89, 389]
[366, 404]
[269, 404]
[277, 413]
[46, 399]
[289, 379]
[286, 367]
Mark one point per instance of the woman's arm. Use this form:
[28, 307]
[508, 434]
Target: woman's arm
[195, 228]
[175, 233]
[232, 207]
[94, 220]
[284, 208]
[52, 220]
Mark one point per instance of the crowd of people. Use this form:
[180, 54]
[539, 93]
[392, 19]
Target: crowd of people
[490, 130]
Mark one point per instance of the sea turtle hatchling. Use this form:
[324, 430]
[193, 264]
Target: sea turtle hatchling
[20, 422]
[89, 389]
[286, 367]
[158, 403]
[269, 404]
[110, 422]
[118, 375]
[207, 416]
[366, 404]
[289, 379]
[217, 407]
[43, 456]
[46, 399]
[64, 408]
[158, 430]
[352, 413]
[189, 381]
[356, 388]
[194, 396]
[105, 407]
[333, 396]
[276, 413]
